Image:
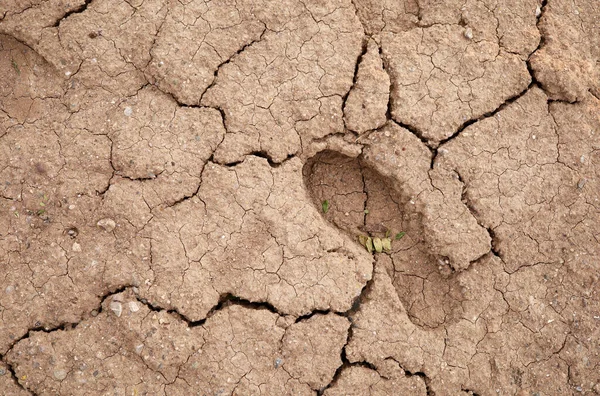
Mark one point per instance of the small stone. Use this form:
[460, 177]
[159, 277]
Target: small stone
[278, 362]
[538, 12]
[581, 183]
[94, 313]
[2, 371]
[116, 307]
[469, 33]
[134, 306]
[107, 224]
[128, 111]
[76, 247]
[60, 374]
[9, 289]
[138, 349]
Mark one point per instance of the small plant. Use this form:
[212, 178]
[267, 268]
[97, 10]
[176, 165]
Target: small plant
[325, 206]
[377, 244]
[15, 66]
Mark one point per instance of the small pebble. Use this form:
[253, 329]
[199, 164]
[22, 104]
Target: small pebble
[9, 289]
[76, 247]
[60, 374]
[2, 372]
[128, 111]
[278, 362]
[134, 306]
[94, 313]
[538, 12]
[469, 33]
[117, 308]
[107, 224]
[581, 183]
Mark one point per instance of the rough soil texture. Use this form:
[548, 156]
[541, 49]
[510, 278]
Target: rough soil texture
[183, 185]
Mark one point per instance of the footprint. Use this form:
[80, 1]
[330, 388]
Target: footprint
[378, 192]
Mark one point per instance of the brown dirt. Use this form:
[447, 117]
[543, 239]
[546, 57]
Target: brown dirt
[183, 185]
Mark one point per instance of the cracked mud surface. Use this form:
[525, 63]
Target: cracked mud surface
[183, 185]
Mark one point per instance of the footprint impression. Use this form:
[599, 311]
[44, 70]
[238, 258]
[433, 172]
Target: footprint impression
[364, 196]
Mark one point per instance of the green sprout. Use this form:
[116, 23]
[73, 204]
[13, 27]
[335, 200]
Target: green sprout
[325, 206]
[379, 245]
[16, 67]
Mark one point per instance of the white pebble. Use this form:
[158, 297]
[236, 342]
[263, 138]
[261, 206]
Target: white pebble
[60, 374]
[469, 33]
[134, 306]
[116, 307]
[76, 247]
[128, 111]
[107, 224]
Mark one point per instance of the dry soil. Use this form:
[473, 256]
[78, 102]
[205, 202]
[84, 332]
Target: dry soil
[184, 185]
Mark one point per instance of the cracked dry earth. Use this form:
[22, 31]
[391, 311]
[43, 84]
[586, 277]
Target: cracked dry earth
[163, 168]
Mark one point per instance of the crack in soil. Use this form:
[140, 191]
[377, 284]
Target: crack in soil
[77, 10]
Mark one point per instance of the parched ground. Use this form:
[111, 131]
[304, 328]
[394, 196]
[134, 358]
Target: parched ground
[185, 185]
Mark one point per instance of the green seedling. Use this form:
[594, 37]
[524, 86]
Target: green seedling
[369, 245]
[367, 242]
[325, 206]
[378, 244]
[386, 243]
[16, 67]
